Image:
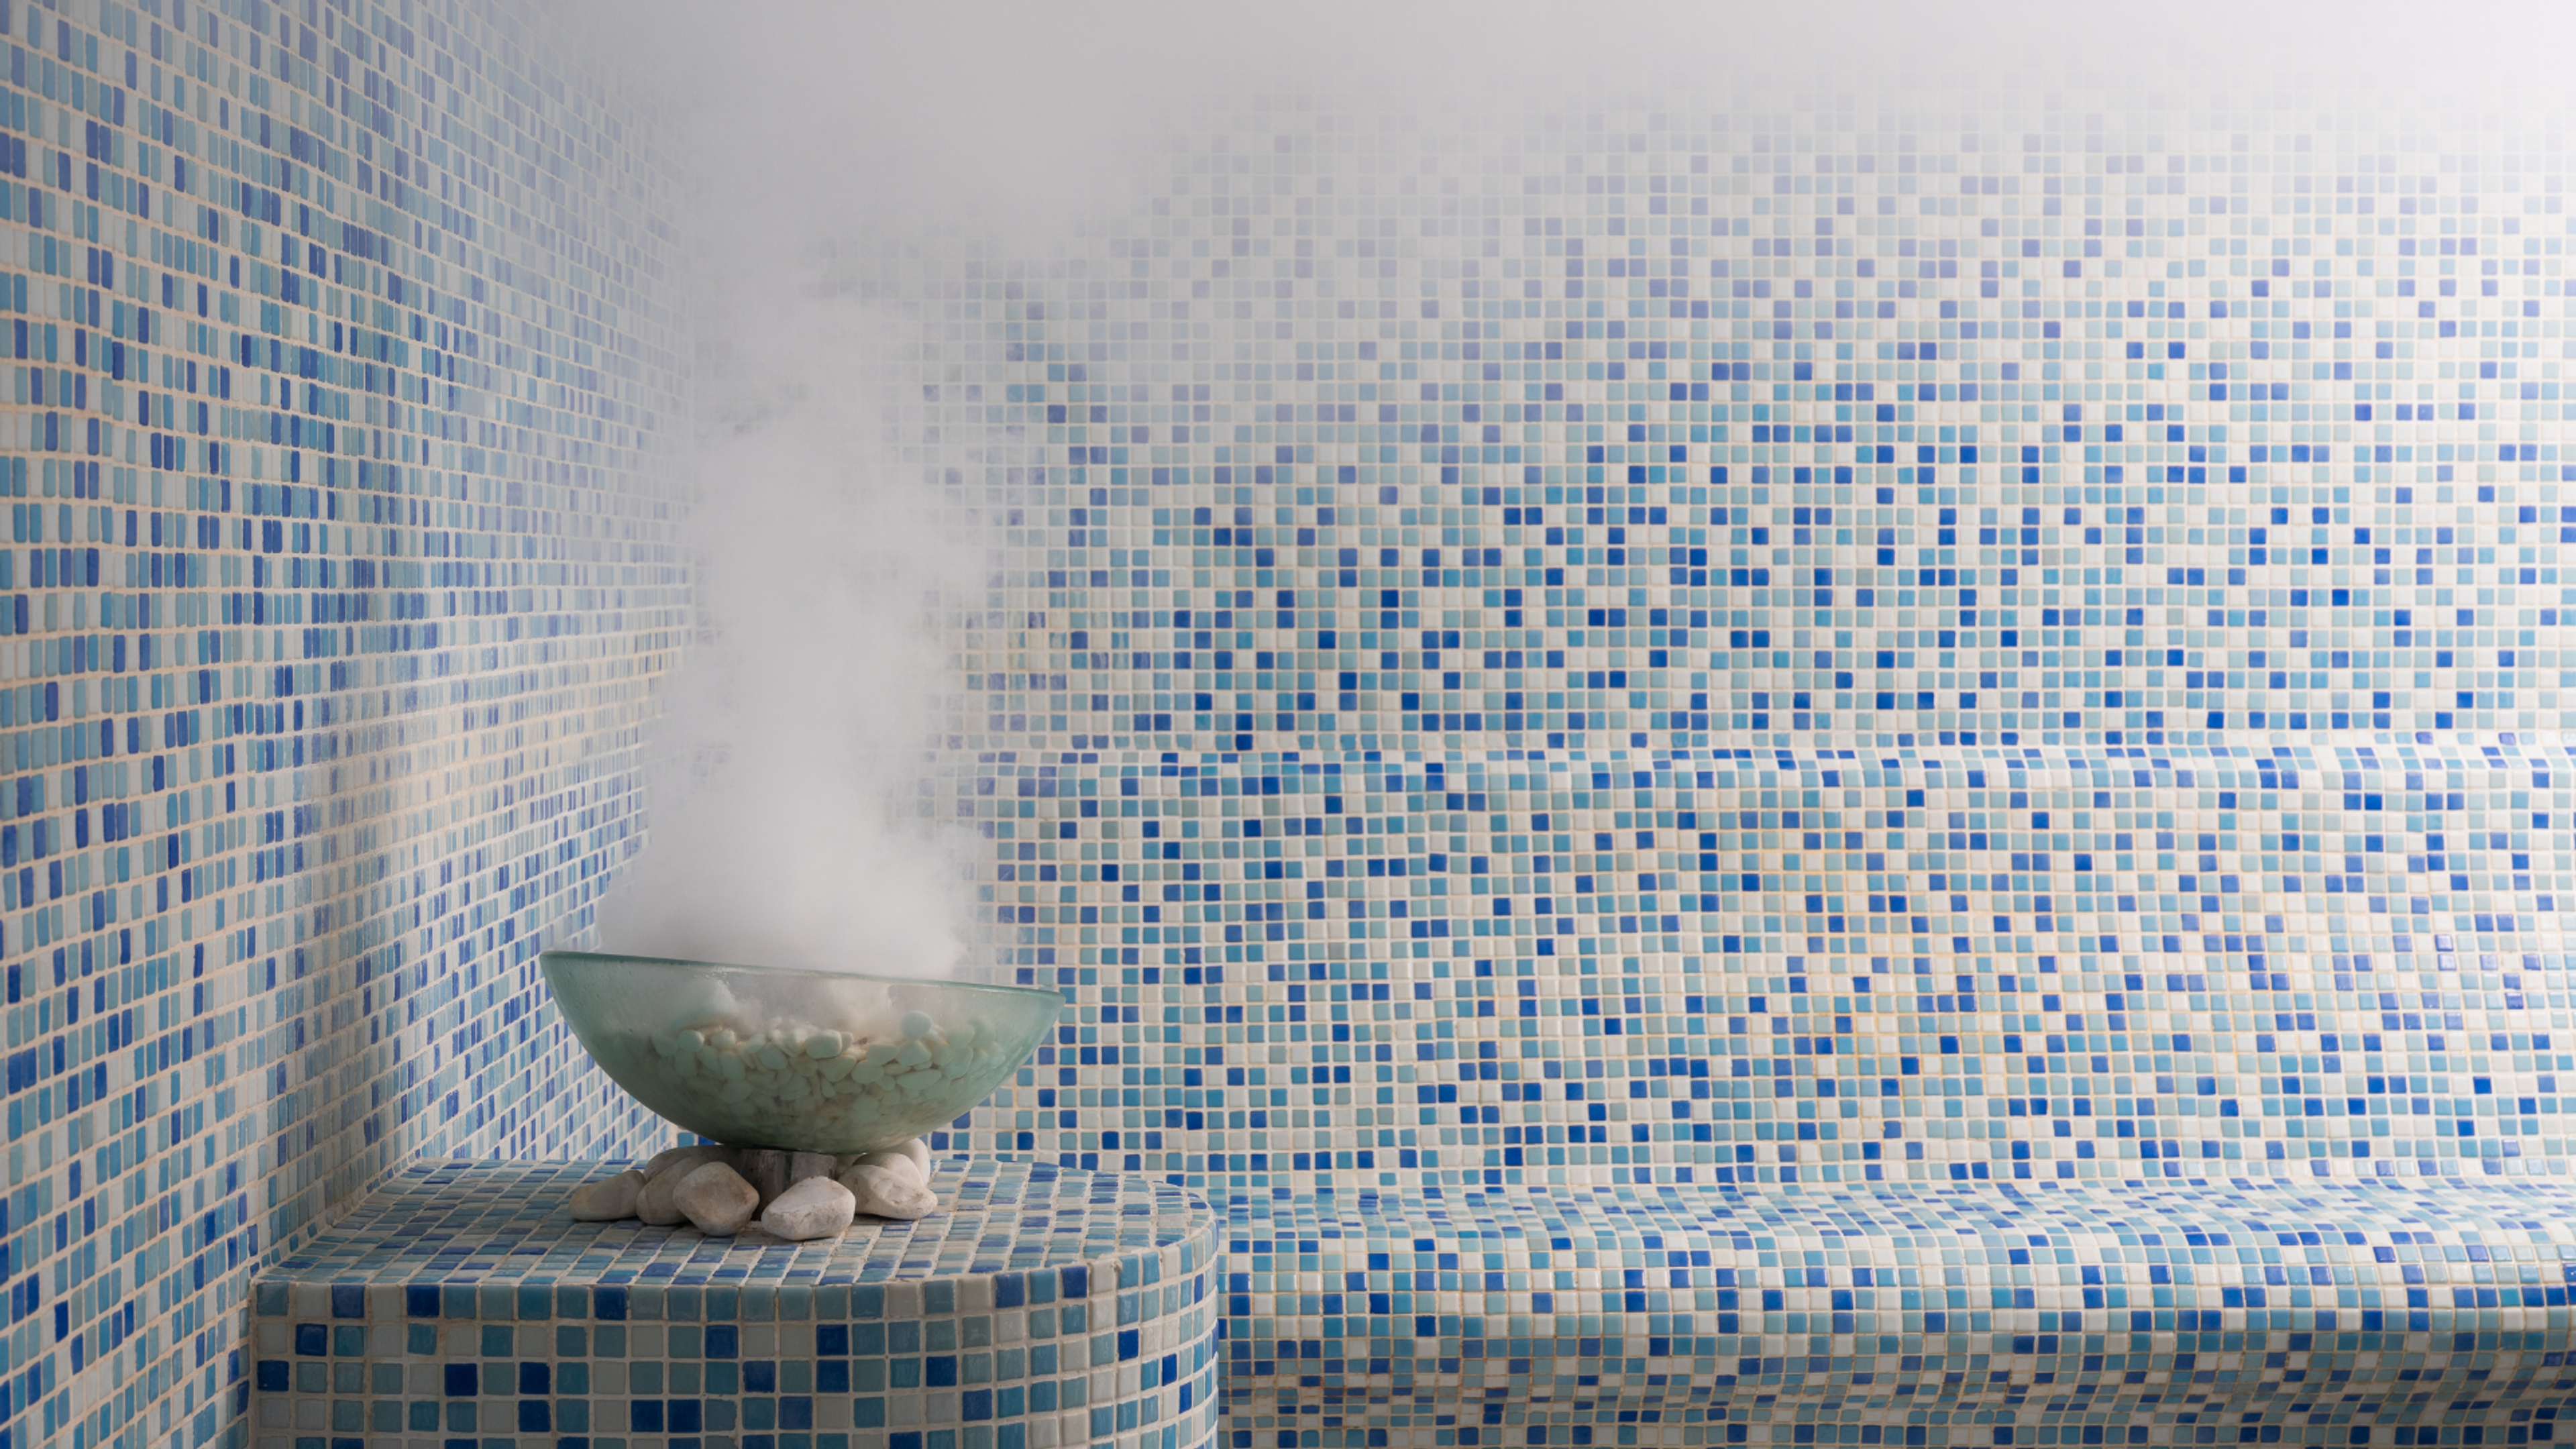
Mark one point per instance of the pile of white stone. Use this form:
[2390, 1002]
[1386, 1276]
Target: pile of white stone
[797, 1196]
[741, 1066]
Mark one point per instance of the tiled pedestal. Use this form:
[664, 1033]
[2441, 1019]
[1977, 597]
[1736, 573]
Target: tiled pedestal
[1042, 1307]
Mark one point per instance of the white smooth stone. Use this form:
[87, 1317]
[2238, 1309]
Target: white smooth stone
[653, 1205]
[816, 1207]
[608, 1199]
[898, 1163]
[881, 1193]
[919, 1152]
[716, 1200]
[683, 1157]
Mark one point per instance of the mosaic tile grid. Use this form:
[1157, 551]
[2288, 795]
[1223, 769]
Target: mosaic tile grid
[1505, 642]
[2260, 439]
[2236, 328]
[2293, 964]
[1637, 658]
[1428, 1318]
[338, 573]
[1041, 1307]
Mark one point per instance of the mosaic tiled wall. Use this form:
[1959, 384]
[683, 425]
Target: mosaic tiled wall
[1723, 646]
[339, 570]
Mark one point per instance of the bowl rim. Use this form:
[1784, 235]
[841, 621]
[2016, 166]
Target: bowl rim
[546, 958]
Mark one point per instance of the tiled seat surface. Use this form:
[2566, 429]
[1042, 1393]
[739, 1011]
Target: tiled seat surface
[1671, 1314]
[1683, 1305]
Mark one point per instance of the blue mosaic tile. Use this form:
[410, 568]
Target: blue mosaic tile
[1710, 1304]
[319, 673]
[1618, 662]
[1709, 658]
[509, 1221]
[1039, 1307]
[2039, 970]
[1682, 662]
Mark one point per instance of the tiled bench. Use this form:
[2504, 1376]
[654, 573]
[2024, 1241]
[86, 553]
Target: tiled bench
[460, 1306]
[2011, 1315]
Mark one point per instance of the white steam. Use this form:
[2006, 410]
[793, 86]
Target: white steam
[789, 818]
[841, 158]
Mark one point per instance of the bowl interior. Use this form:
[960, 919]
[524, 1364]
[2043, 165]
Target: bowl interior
[813, 1061]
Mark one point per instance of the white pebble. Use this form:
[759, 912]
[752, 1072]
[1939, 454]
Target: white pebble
[817, 1207]
[784, 1079]
[881, 1193]
[653, 1205]
[608, 1199]
[898, 1163]
[671, 1157]
[716, 1200]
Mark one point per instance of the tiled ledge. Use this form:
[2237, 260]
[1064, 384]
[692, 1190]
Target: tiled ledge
[1041, 1307]
[1511, 1316]
[460, 1304]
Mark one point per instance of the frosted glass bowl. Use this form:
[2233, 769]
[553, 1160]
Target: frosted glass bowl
[811, 1061]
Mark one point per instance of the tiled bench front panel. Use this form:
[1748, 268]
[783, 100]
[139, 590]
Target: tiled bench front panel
[1040, 1308]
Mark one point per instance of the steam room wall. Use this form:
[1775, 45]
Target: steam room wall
[343, 349]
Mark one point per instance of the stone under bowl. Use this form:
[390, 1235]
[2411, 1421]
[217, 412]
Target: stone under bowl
[810, 1061]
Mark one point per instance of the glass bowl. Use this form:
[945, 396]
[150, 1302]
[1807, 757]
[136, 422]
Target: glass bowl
[810, 1061]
